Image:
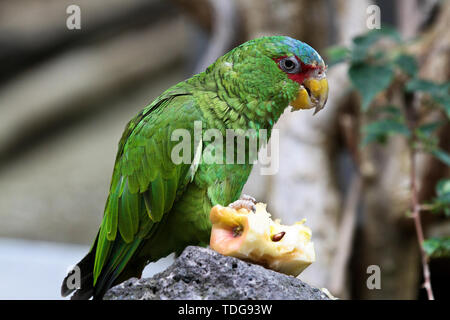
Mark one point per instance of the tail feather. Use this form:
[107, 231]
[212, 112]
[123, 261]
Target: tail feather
[113, 273]
[86, 282]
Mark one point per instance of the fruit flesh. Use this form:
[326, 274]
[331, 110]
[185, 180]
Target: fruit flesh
[255, 237]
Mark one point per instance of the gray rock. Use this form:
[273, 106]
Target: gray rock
[203, 274]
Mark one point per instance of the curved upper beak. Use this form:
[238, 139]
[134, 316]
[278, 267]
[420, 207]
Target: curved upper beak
[312, 94]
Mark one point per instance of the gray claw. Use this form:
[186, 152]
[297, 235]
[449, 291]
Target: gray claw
[242, 203]
[248, 198]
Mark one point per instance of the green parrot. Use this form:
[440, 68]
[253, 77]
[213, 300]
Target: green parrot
[157, 206]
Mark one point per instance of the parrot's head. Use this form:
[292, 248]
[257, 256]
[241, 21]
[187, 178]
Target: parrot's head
[303, 65]
[279, 69]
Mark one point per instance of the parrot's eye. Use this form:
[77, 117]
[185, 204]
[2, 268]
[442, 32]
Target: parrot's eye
[290, 65]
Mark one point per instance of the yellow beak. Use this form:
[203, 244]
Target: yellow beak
[312, 94]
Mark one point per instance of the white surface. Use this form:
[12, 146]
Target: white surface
[35, 269]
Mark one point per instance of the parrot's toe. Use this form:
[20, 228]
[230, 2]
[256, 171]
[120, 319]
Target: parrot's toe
[244, 203]
[247, 197]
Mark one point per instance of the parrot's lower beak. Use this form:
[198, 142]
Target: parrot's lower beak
[313, 93]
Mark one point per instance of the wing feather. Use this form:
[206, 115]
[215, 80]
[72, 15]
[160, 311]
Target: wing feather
[145, 182]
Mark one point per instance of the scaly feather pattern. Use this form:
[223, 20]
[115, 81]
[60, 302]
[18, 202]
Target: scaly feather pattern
[156, 206]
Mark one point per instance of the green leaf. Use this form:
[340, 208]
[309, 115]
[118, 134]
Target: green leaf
[441, 155]
[407, 63]
[444, 101]
[443, 187]
[440, 204]
[391, 110]
[391, 32]
[428, 128]
[337, 54]
[442, 201]
[437, 247]
[370, 80]
[380, 130]
[362, 43]
[425, 135]
[439, 92]
[423, 85]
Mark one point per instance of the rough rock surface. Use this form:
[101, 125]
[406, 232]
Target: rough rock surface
[201, 273]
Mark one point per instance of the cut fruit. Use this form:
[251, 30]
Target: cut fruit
[255, 237]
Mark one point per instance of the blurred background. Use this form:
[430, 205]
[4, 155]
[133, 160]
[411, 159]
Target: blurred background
[66, 95]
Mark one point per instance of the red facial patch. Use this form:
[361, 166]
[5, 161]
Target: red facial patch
[299, 77]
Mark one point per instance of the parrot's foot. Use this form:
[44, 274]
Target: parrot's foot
[247, 197]
[246, 202]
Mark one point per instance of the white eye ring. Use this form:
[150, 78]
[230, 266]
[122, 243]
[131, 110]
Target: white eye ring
[290, 65]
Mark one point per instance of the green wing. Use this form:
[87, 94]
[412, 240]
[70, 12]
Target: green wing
[145, 181]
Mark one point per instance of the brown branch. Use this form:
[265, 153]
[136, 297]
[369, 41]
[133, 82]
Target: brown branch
[415, 205]
[418, 225]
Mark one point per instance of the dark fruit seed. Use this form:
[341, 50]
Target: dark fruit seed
[237, 231]
[277, 237]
